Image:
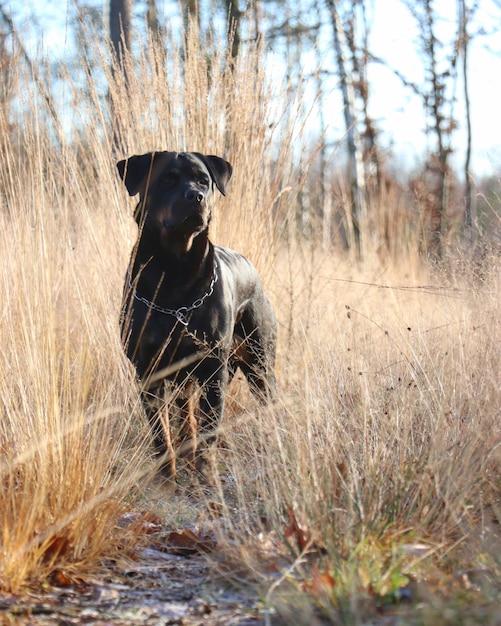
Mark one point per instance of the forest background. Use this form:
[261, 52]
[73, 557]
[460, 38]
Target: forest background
[396, 91]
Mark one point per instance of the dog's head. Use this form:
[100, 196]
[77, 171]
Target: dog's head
[174, 190]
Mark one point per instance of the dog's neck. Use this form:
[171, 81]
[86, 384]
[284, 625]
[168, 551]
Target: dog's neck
[179, 263]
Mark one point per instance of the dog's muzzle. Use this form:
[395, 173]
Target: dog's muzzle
[193, 221]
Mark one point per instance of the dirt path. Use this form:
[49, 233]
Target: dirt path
[159, 589]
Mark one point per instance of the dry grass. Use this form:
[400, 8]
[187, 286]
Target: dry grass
[386, 430]
[379, 466]
[66, 412]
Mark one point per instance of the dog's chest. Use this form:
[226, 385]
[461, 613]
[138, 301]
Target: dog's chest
[159, 340]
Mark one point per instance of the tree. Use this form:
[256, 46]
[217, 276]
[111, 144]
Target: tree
[120, 28]
[152, 19]
[438, 71]
[463, 49]
[355, 151]
[191, 12]
[235, 16]
[357, 34]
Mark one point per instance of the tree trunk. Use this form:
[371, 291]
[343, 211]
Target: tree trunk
[120, 28]
[191, 11]
[360, 59]
[234, 19]
[464, 47]
[442, 168]
[152, 19]
[355, 152]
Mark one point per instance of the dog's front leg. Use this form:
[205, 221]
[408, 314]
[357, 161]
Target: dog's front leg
[156, 408]
[210, 411]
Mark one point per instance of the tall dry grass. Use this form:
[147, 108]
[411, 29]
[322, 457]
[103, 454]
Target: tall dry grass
[73, 448]
[69, 452]
[380, 463]
[386, 429]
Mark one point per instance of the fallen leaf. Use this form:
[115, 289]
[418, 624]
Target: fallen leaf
[216, 508]
[60, 579]
[296, 531]
[188, 542]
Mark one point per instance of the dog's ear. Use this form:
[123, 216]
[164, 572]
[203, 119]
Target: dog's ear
[219, 169]
[134, 171]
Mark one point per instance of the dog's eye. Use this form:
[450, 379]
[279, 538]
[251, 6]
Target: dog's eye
[204, 181]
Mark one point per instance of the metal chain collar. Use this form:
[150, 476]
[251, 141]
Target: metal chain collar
[181, 313]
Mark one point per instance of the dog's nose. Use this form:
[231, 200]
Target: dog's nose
[194, 195]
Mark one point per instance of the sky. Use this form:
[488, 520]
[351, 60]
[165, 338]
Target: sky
[397, 111]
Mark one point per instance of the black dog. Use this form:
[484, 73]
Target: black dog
[193, 312]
